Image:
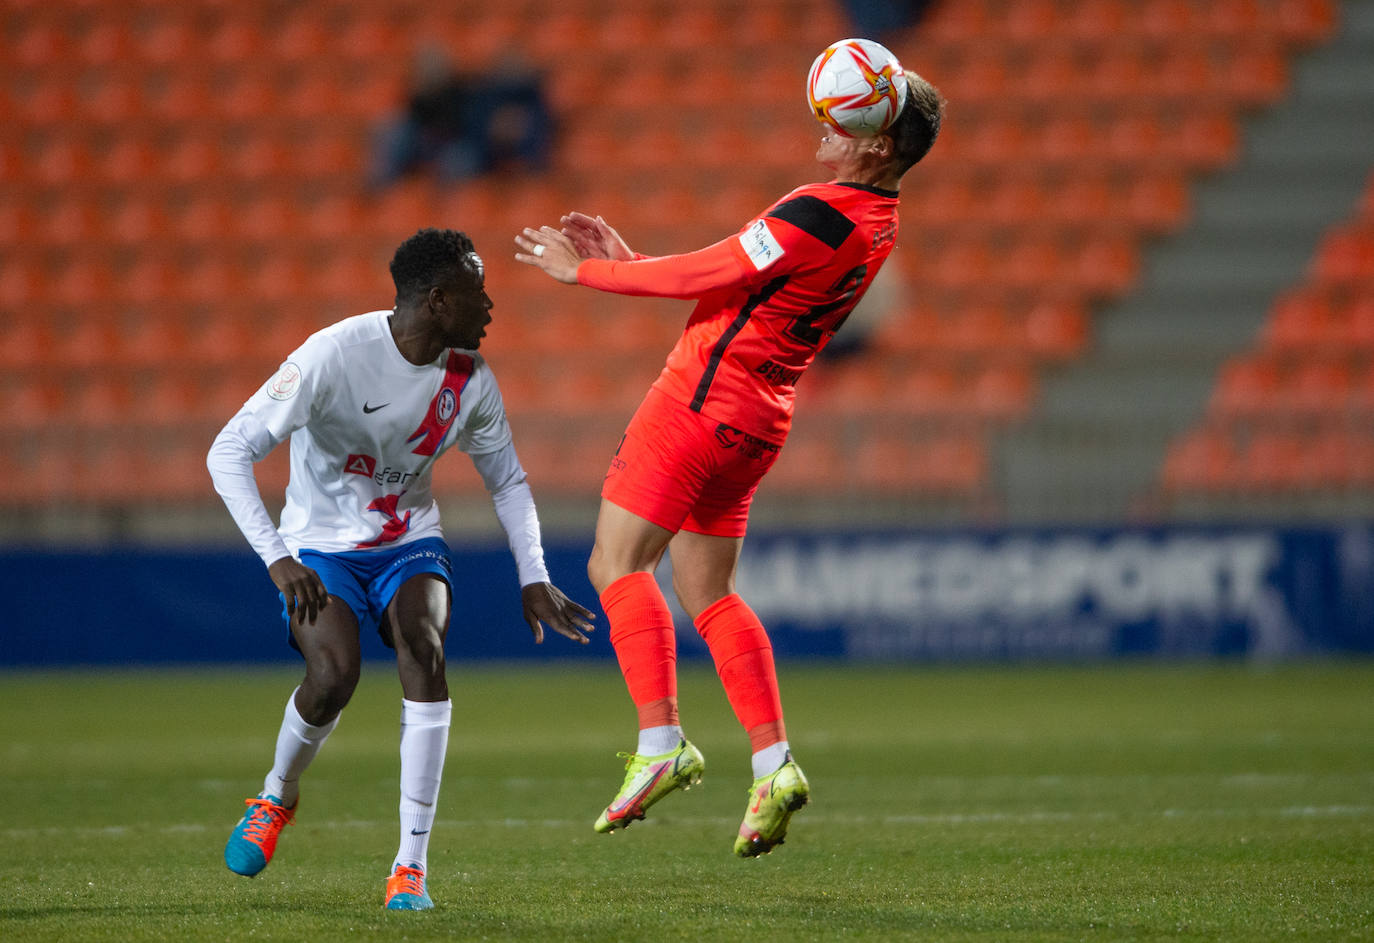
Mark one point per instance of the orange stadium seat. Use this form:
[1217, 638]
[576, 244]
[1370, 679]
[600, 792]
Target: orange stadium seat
[1237, 19]
[1306, 22]
[38, 43]
[152, 341]
[23, 282]
[1245, 387]
[1055, 329]
[982, 329]
[1256, 74]
[1346, 254]
[1073, 139]
[1093, 21]
[1003, 392]
[1031, 21]
[167, 41]
[1362, 390]
[929, 390]
[245, 97]
[1318, 385]
[73, 222]
[267, 218]
[100, 401]
[152, 279]
[1207, 140]
[130, 161]
[1273, 460]
[107, 42]
[1157, 202]
[960, 23]
[955, 462]
[1202, 460]
[1035, 260]
[234, 40]
[301, 37]
[849, 389]
[193, 159]
[19, 224]
[31, 406]
[84, 280]
[138, 220]
[59, 162]
[810, 462]
[1357, 324]
[1105, 265]
[1301, 320]
[181, 98]
[112, 101]
[1167, 19]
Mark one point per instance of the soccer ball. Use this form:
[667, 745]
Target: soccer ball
[856, 86]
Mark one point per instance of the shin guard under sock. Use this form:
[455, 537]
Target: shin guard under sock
[641, 632]
[744, 660]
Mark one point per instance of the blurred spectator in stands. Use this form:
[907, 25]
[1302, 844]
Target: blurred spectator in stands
[460, 125]
[879, 19]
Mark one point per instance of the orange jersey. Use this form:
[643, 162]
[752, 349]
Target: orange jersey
[769, 297]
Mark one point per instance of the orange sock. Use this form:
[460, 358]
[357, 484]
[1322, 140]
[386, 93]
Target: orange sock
[744, 660]
[641, 633]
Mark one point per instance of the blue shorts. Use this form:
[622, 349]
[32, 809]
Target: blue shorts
[366, 580]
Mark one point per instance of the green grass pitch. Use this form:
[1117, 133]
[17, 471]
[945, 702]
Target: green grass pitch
[1112, 802]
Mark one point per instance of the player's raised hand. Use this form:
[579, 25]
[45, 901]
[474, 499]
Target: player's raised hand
[301, 587]
[550, 250]
[595, 238]
[545, 602]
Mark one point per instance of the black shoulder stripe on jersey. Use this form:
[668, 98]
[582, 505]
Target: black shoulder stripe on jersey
[815, 217]
[718, 351]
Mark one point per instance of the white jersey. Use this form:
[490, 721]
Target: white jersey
[366, 426]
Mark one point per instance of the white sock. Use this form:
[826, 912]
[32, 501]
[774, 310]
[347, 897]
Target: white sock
[654, 741]
[767, 760]
[297, 744]
[424, 741]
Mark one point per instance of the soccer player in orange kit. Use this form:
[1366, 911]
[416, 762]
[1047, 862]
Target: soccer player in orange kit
[769, 298]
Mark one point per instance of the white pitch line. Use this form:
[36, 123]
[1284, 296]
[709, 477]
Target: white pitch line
[948, 818]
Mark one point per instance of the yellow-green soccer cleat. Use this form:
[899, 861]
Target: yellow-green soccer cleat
[647, 780]
[772, 801]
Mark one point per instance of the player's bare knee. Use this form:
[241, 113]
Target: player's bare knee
[331, 678]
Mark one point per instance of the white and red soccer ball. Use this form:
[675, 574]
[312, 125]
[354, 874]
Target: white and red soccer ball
[857, 87]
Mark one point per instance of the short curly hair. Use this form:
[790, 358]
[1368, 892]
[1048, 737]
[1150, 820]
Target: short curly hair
[429, 257]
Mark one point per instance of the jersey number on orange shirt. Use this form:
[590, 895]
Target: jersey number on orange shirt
[810, 327]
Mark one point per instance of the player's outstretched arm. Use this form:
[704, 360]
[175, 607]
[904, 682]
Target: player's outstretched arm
[545, 603]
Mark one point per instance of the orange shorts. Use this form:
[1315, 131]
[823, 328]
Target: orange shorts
[683, 471]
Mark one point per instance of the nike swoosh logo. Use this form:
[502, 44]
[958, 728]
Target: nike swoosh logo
[412, 831]
[373, 409]
[638, 793]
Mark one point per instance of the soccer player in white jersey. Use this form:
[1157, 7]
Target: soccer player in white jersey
[369, 404]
